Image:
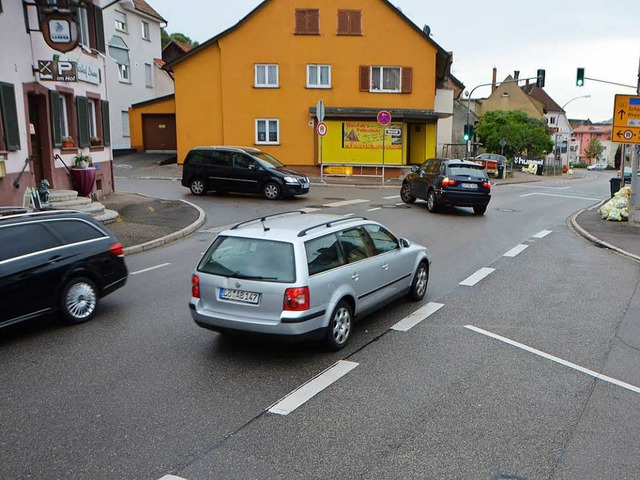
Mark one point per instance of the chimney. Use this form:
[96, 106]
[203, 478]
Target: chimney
[516, 74]
[493, 79]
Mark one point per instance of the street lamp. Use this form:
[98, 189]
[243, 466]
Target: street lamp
[562, 109]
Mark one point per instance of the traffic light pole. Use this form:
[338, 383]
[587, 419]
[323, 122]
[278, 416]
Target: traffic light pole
[537, 78]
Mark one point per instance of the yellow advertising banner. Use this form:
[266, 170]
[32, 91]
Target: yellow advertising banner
[370, 135]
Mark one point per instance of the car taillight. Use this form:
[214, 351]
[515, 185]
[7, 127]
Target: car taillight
[117, 250]
[195, 286]
[296, 299]
[487, 185]
[447, 182]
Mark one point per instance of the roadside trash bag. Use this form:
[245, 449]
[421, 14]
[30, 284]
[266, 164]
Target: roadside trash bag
[617, 209]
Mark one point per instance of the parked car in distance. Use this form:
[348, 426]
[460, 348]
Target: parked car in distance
[598, 166]
[627, 174]
[304, 276]
[494, 163]
[242, 170]
[445, 181]
[56, 261]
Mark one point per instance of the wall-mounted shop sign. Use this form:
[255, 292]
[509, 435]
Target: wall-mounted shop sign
[58, 70]
[60, 31]
[88, 73]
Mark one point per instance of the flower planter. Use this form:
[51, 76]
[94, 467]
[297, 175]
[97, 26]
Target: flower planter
[68, 144]
[84, 179]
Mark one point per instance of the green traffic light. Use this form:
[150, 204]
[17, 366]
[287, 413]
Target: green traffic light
[580, 77]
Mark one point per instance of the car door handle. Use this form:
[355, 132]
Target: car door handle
[54, 259]
[385, 266]
[355, 277]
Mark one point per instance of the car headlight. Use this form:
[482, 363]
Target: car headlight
[290, 180]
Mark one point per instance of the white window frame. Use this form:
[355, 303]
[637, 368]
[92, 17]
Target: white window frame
[120, 26]
[380, 74]
[317, 67]
[64, 116]
[267, 122]
[148, 79]
[124, 72]
[145, 30]
[266, 67]
[83, 24]
[126, 132]
[92, 114]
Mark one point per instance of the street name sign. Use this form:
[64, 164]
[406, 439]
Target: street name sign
[394, 132]
[626, 119]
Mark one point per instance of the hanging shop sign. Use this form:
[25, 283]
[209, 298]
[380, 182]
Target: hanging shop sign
[88, 73]
[58, 70]
[60, 31]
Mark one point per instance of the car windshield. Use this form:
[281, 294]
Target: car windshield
[249, 258]
[468, 171]
[268, 161]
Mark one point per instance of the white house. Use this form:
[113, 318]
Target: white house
[53, 96]
[132, 34]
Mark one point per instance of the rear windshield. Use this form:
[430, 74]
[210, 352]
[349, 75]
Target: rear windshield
[468, 171]
[249, 258]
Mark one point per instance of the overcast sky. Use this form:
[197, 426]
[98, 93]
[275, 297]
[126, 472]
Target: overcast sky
[559, 36]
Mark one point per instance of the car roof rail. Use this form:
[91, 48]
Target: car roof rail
[330, 223]
[263, 218]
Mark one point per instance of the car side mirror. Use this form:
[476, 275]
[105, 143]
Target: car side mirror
[414, 169]
[404, 243]
[253, 167]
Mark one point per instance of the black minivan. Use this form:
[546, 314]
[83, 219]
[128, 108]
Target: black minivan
[56, 261]
[240, 169]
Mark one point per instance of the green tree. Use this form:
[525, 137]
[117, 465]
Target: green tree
[594, 150]
[525, 135]
[166, 37]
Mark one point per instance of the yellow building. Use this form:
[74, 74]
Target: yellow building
[510, 96]
[259, 83]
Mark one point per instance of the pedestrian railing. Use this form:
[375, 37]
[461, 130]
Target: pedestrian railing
[363, 170]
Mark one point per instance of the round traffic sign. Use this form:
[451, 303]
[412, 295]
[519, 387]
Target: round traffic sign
[321, 128]
[384, 117]
[628, 134]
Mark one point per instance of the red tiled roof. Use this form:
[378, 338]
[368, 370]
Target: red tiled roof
[146, 8]
[539, 94]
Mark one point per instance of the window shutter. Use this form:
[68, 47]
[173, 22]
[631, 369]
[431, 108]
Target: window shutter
[407, 79]
[301, 26]
[106, 126]
[364, 78]
[54, 110]
[82, 108]
[355, 22]
[343, 22]
[9, 116]
[99, 30]
[314, 21]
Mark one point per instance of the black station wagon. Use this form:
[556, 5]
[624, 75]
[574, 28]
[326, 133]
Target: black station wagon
[448, 182]
[56, 261]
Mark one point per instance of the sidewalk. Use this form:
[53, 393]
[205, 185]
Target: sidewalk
[146, 222]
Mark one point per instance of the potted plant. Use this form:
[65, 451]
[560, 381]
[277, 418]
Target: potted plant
[95, 141]
[82, 161]
[67, 142]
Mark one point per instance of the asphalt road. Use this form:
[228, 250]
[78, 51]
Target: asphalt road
[498, 383]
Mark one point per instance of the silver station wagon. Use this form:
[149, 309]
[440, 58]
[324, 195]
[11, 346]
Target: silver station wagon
[299, 275]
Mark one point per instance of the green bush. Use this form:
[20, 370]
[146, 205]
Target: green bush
[578, 165]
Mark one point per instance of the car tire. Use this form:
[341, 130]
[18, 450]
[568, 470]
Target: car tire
[480, 210]
[198, 186]
[420, 282]
[432, 203]
[272, 191]
[405, 193]
[340, 326]
[79, 300]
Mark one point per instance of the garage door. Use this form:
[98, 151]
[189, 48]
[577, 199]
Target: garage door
[159, 132]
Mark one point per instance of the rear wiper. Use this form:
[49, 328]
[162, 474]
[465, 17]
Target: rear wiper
[251, 277]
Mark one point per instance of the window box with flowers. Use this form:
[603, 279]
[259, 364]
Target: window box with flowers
[67, 142]
[95, 141]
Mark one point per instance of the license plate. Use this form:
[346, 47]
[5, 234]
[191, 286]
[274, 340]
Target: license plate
[239, 296]
[469, 185]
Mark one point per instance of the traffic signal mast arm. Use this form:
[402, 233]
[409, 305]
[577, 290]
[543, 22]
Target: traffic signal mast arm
[580, 78]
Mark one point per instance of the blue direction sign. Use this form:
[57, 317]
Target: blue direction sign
[384, 117]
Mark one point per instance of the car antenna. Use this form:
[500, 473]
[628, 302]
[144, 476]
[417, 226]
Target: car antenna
[266, 229]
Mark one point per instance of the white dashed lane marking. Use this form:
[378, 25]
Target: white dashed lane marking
[416, 317]
[561, 196]
[310, 389]
[476, 277]
[391, 196]
[149, 269]
[345, 202]
[516, 250]
[553, 358]
[542, 234]
[374, 209]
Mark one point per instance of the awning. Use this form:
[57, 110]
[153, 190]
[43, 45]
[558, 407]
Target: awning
[367, 113]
